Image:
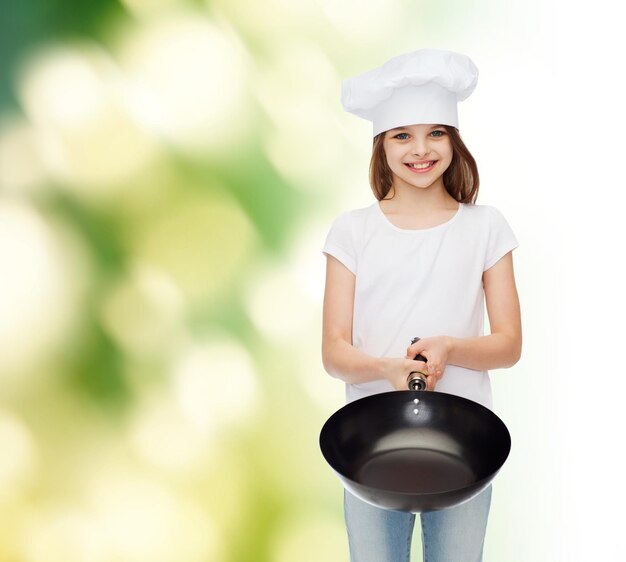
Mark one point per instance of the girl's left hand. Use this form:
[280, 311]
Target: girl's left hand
[436, 351]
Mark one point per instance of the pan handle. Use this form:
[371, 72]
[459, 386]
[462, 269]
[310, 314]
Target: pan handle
[419, 356]
[416, 380]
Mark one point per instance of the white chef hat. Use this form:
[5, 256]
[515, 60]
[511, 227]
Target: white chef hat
[420, 87]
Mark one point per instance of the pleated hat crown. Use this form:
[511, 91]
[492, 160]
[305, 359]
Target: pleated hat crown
[421, 87]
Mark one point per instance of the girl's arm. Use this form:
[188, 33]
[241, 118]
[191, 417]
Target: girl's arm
[501, 348]
[340, 358]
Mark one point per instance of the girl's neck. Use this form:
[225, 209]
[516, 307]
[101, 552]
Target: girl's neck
[410, 199]
[413, 208]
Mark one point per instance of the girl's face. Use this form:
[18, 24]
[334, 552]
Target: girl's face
[418, 155]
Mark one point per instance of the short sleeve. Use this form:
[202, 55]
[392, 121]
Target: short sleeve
[501, 238]
[340, 242]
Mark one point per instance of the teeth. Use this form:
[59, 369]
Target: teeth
[421, 166]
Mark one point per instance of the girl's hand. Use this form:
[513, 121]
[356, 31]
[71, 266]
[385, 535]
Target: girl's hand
[436, 351]
[397, 370]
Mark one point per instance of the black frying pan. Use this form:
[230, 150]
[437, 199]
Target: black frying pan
[415, 450]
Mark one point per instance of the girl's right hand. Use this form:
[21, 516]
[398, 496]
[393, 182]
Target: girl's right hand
[398, 370]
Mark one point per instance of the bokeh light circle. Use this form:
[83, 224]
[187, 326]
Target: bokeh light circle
[75, 97]
[43, 278]
[192, 76]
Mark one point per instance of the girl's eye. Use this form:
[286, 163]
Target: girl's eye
[438, 133]
[402, 136]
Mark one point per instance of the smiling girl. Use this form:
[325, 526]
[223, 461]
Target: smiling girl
[423, 260]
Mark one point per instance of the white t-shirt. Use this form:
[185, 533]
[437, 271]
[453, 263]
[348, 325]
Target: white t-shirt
[419, 283]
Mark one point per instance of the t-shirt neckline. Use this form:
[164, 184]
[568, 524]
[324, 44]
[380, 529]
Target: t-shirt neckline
[417, 230]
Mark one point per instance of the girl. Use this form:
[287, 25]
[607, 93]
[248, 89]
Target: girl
[423, 260]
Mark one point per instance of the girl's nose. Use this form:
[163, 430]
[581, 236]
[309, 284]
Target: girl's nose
[419, 147]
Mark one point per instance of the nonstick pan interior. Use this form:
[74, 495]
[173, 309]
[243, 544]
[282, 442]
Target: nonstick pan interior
[415, 450]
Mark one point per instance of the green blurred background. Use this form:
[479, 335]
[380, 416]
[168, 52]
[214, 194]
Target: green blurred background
[168, 173]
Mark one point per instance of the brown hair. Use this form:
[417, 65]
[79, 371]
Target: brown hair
[460, 179]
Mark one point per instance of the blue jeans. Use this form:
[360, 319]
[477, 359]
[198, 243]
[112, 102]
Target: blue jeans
[456, 534]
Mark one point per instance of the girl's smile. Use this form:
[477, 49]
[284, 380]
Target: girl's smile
[421, 167]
